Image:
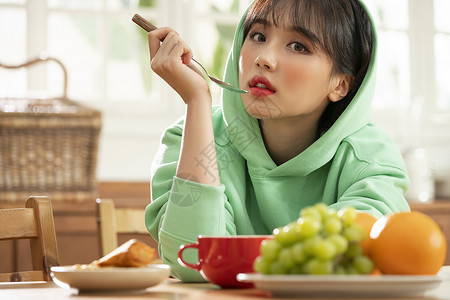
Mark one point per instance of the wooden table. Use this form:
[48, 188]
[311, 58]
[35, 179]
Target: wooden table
[171, 289]
[76, 224]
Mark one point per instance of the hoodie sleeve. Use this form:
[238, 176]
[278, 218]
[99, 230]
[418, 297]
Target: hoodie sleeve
[377, 190]
[372, 178]
[181, 210]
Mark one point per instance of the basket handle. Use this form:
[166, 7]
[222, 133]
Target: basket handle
[42, 58]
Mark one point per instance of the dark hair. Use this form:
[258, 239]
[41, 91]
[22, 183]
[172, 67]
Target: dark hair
[340, 28]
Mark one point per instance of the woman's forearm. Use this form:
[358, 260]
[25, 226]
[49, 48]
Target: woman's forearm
[198, 154]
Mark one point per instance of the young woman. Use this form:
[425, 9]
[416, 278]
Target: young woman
[302, 134]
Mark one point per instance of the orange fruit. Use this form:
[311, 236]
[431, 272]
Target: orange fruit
[408, 243]
[366, 221]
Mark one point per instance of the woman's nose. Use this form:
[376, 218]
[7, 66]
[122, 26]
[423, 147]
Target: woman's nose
[264, 61]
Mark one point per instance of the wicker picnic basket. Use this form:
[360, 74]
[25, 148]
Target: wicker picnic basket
[48, 146]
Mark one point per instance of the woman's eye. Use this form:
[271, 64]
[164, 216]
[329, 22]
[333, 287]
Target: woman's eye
[298, 47]
[258, 37]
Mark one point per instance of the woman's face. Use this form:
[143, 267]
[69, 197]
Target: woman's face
[284, 74]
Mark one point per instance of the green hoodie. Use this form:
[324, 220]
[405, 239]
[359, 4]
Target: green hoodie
[354, 164]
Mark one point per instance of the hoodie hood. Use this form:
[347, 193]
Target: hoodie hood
[244, 131]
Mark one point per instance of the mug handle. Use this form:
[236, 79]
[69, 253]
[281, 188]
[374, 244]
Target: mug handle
[184, 263]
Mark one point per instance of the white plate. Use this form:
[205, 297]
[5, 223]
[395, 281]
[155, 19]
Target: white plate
[110, 278]
[343, 285]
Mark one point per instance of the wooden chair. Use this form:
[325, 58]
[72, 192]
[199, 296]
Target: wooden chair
[34, 222]
[113, 221]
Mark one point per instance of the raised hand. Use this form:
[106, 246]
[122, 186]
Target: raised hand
[170, 58]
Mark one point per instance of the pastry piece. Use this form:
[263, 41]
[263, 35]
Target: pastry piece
[133, 253]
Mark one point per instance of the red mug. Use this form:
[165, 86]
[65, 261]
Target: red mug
[221, 258]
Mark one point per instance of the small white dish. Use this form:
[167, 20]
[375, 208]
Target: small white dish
[102, 279]
[343, 285]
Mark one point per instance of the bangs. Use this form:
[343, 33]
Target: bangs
[299, 15]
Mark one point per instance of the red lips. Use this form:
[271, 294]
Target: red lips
[260, 86]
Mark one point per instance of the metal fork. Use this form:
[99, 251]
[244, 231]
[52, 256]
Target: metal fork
[147, 26]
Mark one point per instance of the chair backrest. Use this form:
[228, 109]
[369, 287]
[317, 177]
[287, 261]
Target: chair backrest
[113, 221]
[34, 222]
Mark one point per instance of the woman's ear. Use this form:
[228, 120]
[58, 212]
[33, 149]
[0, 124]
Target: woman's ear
[342, 84]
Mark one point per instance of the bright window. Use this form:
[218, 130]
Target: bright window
[393, 82]
[442, 49]
[414, 65]
[105, 53]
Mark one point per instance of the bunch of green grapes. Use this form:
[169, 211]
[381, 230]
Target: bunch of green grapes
[322, 241]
